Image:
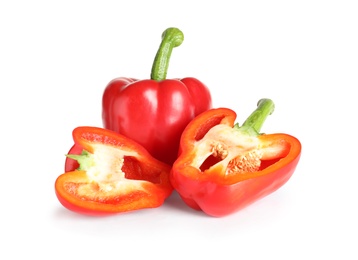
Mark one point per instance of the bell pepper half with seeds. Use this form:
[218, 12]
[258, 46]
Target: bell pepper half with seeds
[113, 174]
[223, 167]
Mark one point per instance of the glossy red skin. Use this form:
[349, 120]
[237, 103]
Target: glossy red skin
[154, 113]
[218, 196]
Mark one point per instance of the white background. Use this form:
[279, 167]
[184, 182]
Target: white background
[56, 57]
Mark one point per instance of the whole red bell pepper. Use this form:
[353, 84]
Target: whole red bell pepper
[223, 168]
[154, 112]
[115, 175]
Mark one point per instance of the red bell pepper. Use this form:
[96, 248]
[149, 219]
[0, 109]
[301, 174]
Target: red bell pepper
[154, 112]
[223, 168]
[115, 175]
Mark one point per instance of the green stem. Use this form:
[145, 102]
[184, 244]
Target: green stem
[171, 38]
[85, 159]
[254, 122]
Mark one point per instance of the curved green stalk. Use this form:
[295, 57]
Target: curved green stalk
[171, 38]
[252, 125]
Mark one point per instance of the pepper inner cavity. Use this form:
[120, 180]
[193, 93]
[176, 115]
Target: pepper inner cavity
[107, 164]
[234, 151]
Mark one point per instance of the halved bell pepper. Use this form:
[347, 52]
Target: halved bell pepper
[223, 167]
[115, 174]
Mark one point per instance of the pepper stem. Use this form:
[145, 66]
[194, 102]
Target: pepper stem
[171, 38]
[254, 122]
[85, 159]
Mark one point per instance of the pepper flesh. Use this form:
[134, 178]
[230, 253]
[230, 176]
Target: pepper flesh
[155, 111]
[115, 175]
[221, 170]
